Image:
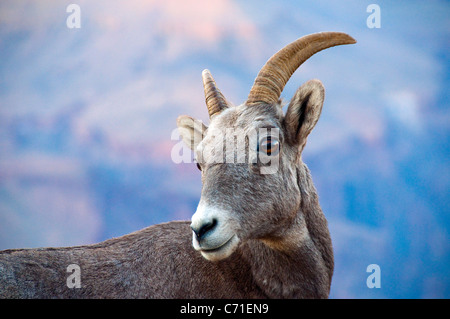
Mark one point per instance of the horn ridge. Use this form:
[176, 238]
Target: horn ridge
[215, 101]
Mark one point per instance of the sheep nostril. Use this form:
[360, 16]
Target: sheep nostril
[201, 231]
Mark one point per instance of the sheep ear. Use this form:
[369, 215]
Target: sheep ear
[191, 130]
[304, 111]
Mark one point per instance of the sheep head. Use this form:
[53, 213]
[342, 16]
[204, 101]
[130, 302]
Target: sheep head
[249, 155]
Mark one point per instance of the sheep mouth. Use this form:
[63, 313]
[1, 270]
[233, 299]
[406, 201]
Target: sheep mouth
[222, 251]
[221, 246]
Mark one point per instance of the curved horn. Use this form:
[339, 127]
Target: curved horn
[279, 68]
[215, 101]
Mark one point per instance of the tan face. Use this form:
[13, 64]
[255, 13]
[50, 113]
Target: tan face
[240, 196]
[249, 197]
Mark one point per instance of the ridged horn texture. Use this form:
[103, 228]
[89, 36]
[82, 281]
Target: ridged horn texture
[215, 101]
[279, 68]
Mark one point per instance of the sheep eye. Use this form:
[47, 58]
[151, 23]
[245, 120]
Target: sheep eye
[199, 167]
[269, 145]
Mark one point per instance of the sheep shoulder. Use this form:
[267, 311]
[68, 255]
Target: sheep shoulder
[155, 262]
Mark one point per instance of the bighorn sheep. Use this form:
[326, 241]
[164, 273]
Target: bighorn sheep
[254, 235]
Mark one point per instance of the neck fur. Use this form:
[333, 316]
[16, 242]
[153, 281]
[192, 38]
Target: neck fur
[300, 263]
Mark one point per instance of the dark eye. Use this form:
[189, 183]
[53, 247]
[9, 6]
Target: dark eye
[269, 145]
[199, 167]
